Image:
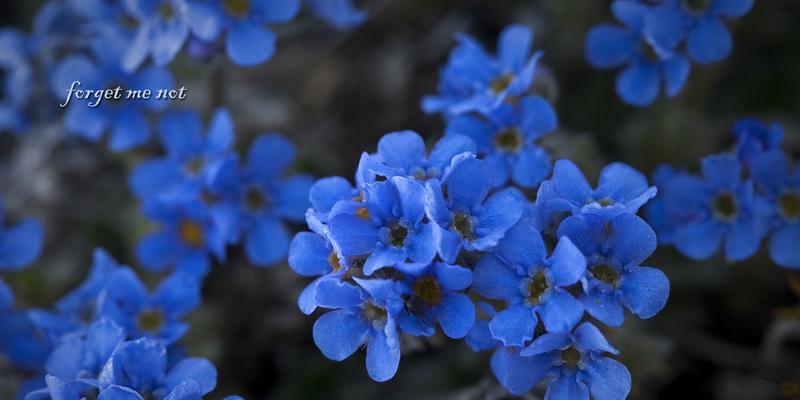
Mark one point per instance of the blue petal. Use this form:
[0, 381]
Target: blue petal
[339, 333]
[154, 176]
[404, 149]
[501, 211]
[249, 44]
[452, 277]
[609, 46]
[178, 294]
[732, 8]
[560, 312]
[168, 40]
[493, 279]
[220, 136]
[448, 243]
[115, 392]
[514, 326]
[480, 338]
[383, 356]
[139, 363]
[644, 291]
[513, 46]
[306, 302]
[587, 338]
[604, 307]
[783, 247]
[384, 257]
[269, 156]
[742, 241]
[634, 240]
[699, 240]
[276, 11]
[665, 27]
[546, 343]
[676, 72]
[435, 204]
[129, 129]
[570, 183]
[566, 386]
[87, 123]
[620, 182]
[411, 194]
[587, 232]
[421, 245]
[327, 191]
[179, 132]
[607, 379]
[20, 245]
[292, 201]
[467, 182]
[722, 171]
[531, 167]
[267, 242]
[457, 315]
[638, 84]
[709, 40]
[519, 374]
[342, 14]
[198, 369]
[479, 130]
[189, 389]
[352, 235]
[522, 246]
[630, 12]
[567, 264]
[537, 116]
[309, 254]
[205, 20]
[332, 292]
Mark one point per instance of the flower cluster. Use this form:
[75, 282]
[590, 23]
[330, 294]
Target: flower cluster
[422, 235]
[205, 198]
[657, 40]
[739, 199]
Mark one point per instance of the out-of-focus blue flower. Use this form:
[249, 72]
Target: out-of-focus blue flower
[387, 227]
[474, 80]
[16, 80]
[339, 333]
[342, 14]
[20, 244]
[403, 154]
[754, 137]
[708, 39]
[615, 251]
[192, 157]
[463, 213]
[19, 341]
[125, 119]
[162, 29]
[263, 197]
[138, 369]
[719, 207]
[185, 241]
[520, 273]
[435, 295]
[779, 182]
[506, 139]
[158, 315]
[646, 46]
[621, 189]
[248, 41]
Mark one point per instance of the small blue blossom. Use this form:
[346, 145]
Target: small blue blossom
[615, 251]
[125, 119]
[339, 333]
[720, 208]
[127, 302]
[474, 80]
[342, 14]
[754, 137]
[248, 41]
[649, 53]
[520, 273]
[162, 29]
[506, 139]
[621, 189]
[779, 182]
[16, 80]
[707, 39]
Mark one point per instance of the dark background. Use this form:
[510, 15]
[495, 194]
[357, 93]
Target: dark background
[729, 331]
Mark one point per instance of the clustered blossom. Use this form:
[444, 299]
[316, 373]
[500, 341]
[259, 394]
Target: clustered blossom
[739, 199]
[657, 41]
[422, 235]
[204, 198]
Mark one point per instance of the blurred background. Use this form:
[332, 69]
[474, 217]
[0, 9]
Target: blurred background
[729, 331]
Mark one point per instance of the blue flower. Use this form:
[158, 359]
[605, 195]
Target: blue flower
[127, 302]
[520, 273]
[463, 214]
[506, 139]
[615, 250]
[16, 80]
[192, 157]
[779, 182]
[80, 355]
[754, 137]
[621, 189]
[248, 41]
[342, 14]
[434, 294]
[138, 369]
[161, 32]
[185, 241]
[20, 244]
[719, 206]
[474, 80]
[387, 226]
[263, 198]
[126, 119]
[339, 333]
[403, 154]
[646, 46]
[707, 39]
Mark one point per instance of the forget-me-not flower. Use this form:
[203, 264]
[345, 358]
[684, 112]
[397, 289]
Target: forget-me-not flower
[779, 182]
